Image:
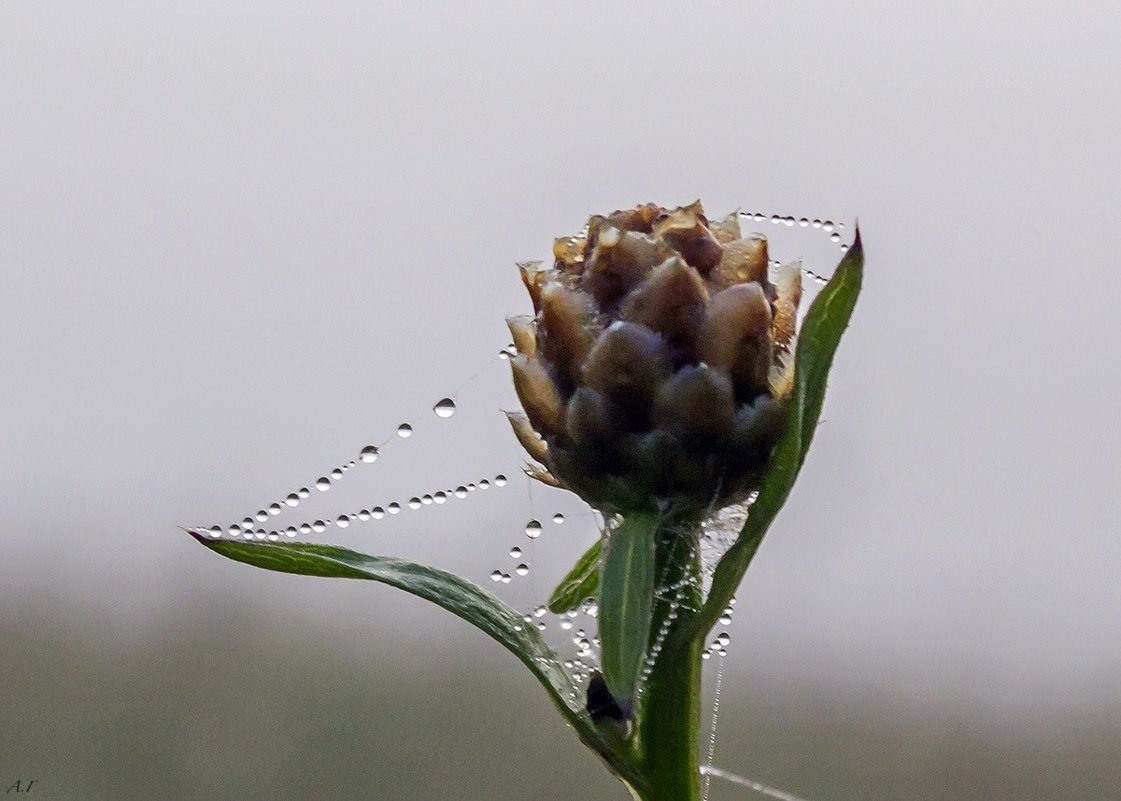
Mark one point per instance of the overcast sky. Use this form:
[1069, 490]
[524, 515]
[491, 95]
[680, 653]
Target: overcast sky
[239, 241]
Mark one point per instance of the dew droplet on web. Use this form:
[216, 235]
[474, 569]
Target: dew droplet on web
[364, 515]
[414, 502]
[803, 222]
[262, 516]
[522, 569]
[484, 484]
[303, 493]
[343, 521]
[369, 454]
[506, 578]
[515, 552]
[426, 500]
[496, 575]
[234, 530]
[470, 487]
[500, 480]
[440, 497]
[394, 508]
[318, 526]
[292, 500]
[323, 484]
[377, 513]
[533, 529]
[404, 431]
[827, 226]
[336, 474]
[290, 531]
[445, 407]
[461, 492]
[274, 509]
[305, 528]
[834, 237]
[558, 518]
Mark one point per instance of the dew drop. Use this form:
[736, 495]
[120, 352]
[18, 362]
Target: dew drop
[725, 619]
[323, 484]
[470, 487]
[566, 624]
[484, 484]
[835, 237]
[274, 509]
[290, 531]
[303, 493]
[440, 497]
[364, 514]
[318, 526]
[522, 569]
[262, 516]
[723, 638]
[500, 480]
[515, 552]
[506, 578]
[305, 528]
[343, 521]
[827, 226]
[369, 454]
[445, 407]
[247, 524]
[404, 431]
[274, 536]
[292, 500]
[496, 576]
[803, 222]
[336, 474]
[533, 529]
[461, 492]
[817, 223]
[234, 530]
[414, 502]
[558, 518]
[427, 500]
[393, 508]
[215, 531]
[377, 513]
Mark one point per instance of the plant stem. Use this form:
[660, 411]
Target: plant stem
[668, 720]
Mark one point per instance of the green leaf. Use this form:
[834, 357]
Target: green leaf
[818, 338]
[455, 594]
[581, 583]
[626, 602]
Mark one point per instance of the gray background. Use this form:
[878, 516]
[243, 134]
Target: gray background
[240, 240]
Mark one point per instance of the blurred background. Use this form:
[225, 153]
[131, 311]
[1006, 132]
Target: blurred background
[241, 240]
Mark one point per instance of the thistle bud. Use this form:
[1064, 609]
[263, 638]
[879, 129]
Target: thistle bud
[656, 369]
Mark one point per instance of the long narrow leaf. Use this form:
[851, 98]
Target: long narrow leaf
[581, 583]
[818, 339]
[455, 594]
[626, 603]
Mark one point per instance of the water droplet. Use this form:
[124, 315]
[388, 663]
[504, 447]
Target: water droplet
[775, 219]
[789, 222]
[723, 638]
[461, 492]
[827, 226]
[404, 431]
[503, 354]
[834, 237]
[440, 497]
[414, 502]
[323, 484]
[318, 526]
[377, 513]
[803, 222]
[445, 407]
[336, 474]
[484, 484]
[427, 500]
[500, 480]
[470, 487]
[725, 619]
[343, 521]
[273, 536]
[533, 529]
[262, 516]
[393, 508]
[247, 524]
[522, 569]
[558, 518]
[844, 248]
[369, 454]
[706, 654]
[274, 508]
[234, 530]
[364, 514]
[506, 578]
[303, 493]
[759, 217]
[816, 223]
[496, 575]
[515, 552]
[290, 531]
[566, 624]
[292, 500]
[305, 528]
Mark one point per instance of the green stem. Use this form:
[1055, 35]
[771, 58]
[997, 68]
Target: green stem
[668, 718]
